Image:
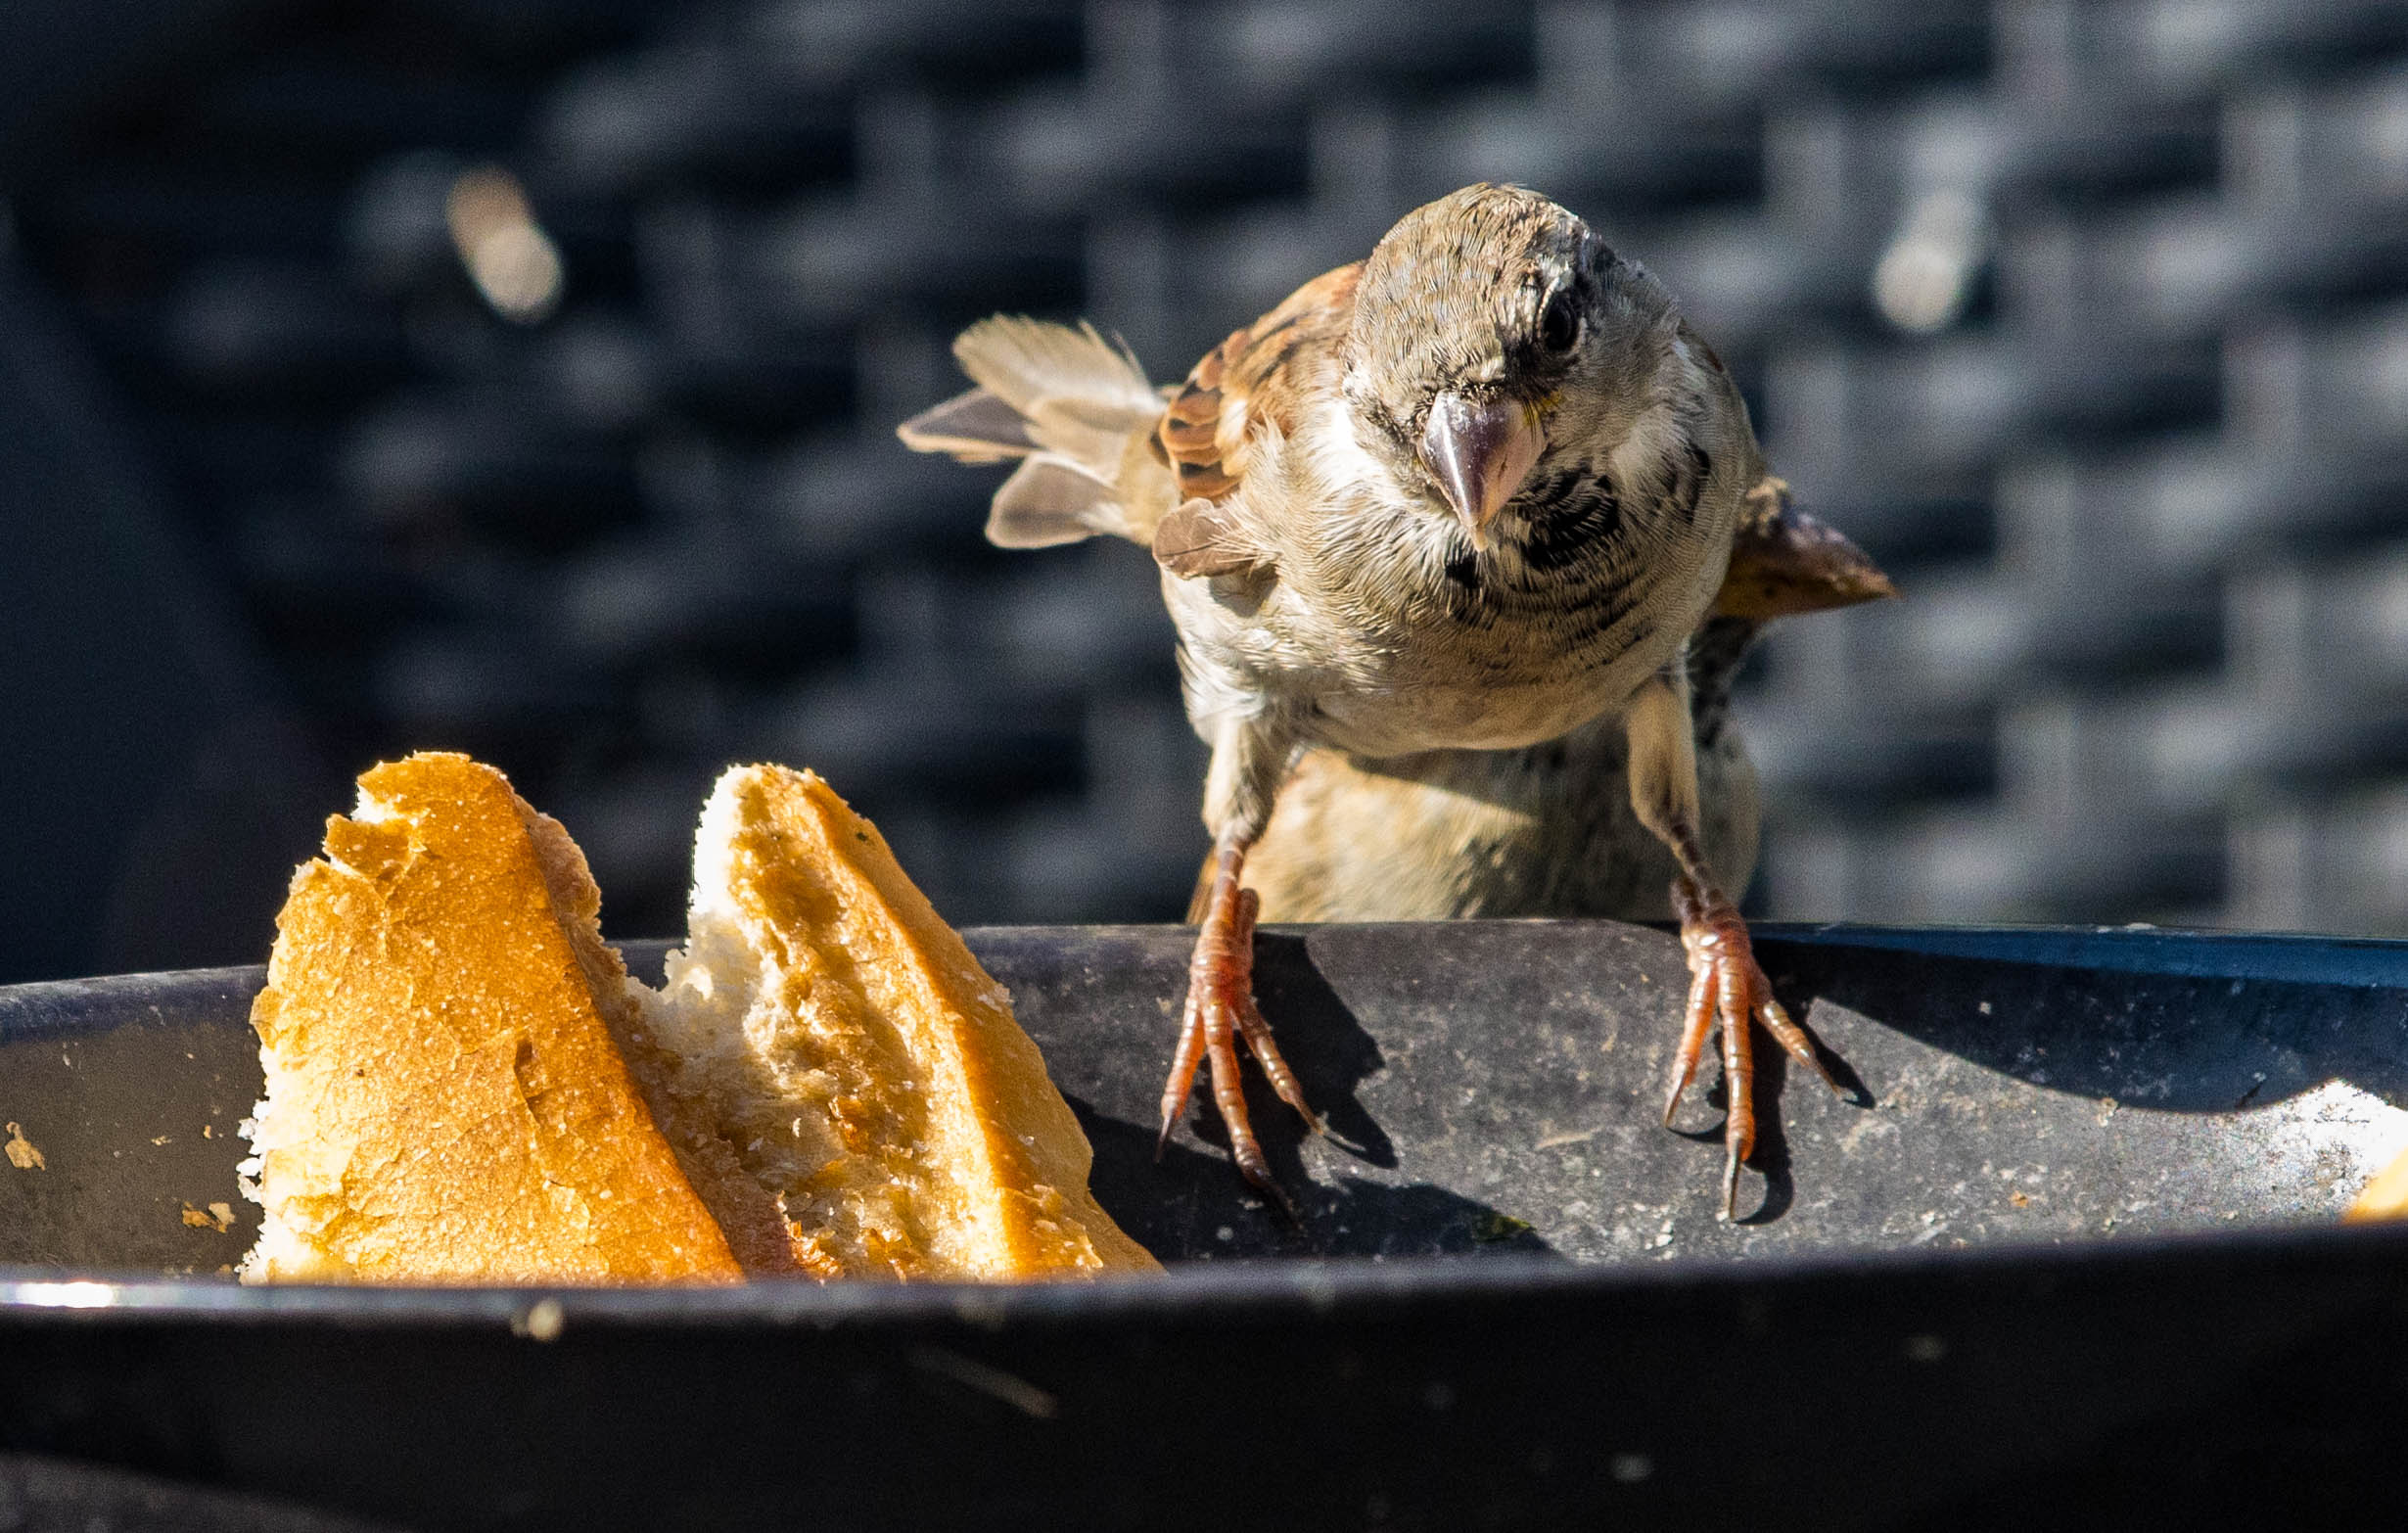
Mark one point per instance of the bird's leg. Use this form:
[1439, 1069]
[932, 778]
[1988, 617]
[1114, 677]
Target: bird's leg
[1218, 1014]
[1250, 1024]
[1727, 988]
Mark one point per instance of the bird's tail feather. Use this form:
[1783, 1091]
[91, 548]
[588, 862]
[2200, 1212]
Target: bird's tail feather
[974, 427]
[1069, 404]
[1051, 499]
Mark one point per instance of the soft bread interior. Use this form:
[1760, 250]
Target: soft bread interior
[855, 1060]
[465, 1085]
[444, 1098]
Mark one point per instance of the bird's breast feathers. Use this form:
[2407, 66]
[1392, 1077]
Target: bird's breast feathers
[1370, 606]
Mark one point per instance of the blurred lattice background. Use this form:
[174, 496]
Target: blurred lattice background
[519, 377]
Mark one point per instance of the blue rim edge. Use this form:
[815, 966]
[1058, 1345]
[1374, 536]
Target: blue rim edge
[1262, 1289]
[1270, 1287]
[2284, 957]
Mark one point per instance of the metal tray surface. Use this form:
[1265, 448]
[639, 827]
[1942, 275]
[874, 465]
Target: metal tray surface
[2144, 1135]
[1488, 1087]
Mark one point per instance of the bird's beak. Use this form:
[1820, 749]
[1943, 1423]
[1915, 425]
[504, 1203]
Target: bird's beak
[1481, 454]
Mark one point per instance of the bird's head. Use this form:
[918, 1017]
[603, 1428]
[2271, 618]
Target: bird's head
[1495, 333]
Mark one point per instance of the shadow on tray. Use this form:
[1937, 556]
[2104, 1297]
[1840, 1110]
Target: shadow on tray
[1194, 1206]
[2167, 1041]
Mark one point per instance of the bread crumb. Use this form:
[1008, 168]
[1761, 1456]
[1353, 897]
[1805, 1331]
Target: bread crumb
[541, 1321]
[21, 1151]
[206, 1133]
[217, 1217]
[161, 1140]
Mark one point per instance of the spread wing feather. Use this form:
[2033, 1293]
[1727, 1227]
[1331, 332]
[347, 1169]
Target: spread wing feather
[1258, 379]
[1070, 405]
[1249, 381]
[1095, 438]
[1785, 562]
[1198, 538]
[1049, 500]
[975, 427]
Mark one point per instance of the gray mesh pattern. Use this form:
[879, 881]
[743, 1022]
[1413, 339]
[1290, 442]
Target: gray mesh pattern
[2088, 321]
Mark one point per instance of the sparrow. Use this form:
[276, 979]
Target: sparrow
[1473, 492]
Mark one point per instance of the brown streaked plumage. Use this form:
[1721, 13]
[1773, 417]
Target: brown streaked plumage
[1549, 830]
[1471, 494]
[1205, 440]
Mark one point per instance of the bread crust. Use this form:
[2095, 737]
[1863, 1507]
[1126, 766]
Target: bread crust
[875, 1070]
[2386, 1196]
[445, 1101]
[464, 1085]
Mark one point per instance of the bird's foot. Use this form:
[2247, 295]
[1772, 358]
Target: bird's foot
[1727, 989]
[1220, 1012]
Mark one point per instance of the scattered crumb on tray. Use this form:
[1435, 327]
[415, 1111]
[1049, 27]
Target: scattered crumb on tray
[217, 1217]
[1493, 1225]
[21, 1151]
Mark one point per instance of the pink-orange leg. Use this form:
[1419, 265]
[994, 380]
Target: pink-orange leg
[1219, 1011]
[1726, 990]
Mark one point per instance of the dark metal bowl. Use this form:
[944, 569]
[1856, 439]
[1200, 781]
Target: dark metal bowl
[1511, 1305]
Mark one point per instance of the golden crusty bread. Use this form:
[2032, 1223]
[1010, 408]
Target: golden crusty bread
[2385, 1197]
[464, 1085]
[859, 1062]
[444, 1098]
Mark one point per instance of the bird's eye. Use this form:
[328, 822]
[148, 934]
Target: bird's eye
[1559, 323]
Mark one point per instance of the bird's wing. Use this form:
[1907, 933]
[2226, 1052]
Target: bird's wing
[1030, 364]
[1040, 388]
[1785, 562]
[975, 427]
[1073, 407]
[1256, 381]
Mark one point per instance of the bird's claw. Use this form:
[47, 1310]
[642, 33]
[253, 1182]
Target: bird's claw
[1218, 1014]
[1727, 991]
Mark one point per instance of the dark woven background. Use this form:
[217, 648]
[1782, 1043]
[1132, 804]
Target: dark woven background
[2088, 321]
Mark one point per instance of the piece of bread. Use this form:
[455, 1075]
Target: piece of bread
[445, 1101]
[2385, 1197]
[859, 1061]
[464, 1085]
